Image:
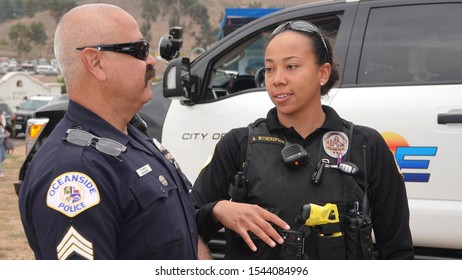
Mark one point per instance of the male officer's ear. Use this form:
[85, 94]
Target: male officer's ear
[91, 59]
[95, 62]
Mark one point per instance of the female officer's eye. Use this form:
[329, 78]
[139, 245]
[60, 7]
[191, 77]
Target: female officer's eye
[268, 70]
[292, 66]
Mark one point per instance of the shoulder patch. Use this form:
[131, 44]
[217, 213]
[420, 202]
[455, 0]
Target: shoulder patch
[72, 193]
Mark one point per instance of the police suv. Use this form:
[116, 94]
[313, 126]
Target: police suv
[401, 71]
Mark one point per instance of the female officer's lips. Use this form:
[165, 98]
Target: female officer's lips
[282, 97]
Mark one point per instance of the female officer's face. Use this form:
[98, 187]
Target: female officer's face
[293, 79]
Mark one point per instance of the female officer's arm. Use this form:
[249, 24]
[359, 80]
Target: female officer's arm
[390, 210]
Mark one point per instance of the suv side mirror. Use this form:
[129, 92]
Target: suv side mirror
[177, 79]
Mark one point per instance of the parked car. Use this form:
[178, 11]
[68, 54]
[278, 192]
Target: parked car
[400, 66]
[46, 70]
[26, 109]
[9, 117]
[28, 68]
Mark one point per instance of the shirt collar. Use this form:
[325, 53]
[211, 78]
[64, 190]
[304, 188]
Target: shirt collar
[333, 121]
[91, 122]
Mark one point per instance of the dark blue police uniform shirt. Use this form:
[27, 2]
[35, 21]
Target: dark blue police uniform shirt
[78, 203]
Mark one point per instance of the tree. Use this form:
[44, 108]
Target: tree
[22, 35]
[6, 10]
[59, 7]
[30, 7]
[150, 9]
[38, 36]
[177, 10]
[200, 14]
[19, 34]
[18, 8]
[146, 30]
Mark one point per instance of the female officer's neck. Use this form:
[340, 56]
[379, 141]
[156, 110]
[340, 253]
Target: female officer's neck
[305, 121]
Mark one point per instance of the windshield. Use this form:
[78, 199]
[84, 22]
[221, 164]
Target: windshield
[32, 105]
[5, 108]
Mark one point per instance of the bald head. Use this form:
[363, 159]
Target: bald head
[87, 25]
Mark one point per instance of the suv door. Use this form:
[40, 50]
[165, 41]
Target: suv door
[227, 95]
[403, 77]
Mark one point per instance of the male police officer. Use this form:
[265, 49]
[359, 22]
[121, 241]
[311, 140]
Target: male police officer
[99, 188]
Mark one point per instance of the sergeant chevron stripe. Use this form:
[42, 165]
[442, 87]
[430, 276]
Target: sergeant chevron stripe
[73, 242]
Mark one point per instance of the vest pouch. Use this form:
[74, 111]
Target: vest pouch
[325, 247]
[358, 237]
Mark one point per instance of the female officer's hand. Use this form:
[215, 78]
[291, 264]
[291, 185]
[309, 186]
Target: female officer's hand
[243, 217]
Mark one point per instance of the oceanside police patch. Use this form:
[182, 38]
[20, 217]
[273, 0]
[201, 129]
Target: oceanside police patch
[72, 193]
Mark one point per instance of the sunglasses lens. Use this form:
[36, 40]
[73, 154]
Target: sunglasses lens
[280, 28]
[297, 25]
[110, 147]
[303, 26]
[79, 137]
[141, 50]
[104, 145]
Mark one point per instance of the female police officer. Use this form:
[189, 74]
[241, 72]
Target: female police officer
[303, 161]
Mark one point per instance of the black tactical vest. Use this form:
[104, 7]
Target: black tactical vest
[283, 190]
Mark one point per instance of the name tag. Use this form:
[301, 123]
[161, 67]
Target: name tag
[143, 170]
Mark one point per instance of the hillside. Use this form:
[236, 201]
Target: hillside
[159, 28]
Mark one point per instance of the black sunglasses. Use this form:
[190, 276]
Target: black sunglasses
[303, 26]
[104, 145]
[139, 49]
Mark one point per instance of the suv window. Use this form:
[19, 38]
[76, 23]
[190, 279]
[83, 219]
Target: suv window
[242, 67]
[233, 71]
[32, 105]
[5, 108]
[399, 47]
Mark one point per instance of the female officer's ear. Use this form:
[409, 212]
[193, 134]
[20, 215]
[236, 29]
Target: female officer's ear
[324, 72]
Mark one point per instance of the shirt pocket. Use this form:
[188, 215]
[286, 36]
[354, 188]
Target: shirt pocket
[162, 212]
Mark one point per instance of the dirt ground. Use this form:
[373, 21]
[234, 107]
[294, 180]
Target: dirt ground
[13, 243]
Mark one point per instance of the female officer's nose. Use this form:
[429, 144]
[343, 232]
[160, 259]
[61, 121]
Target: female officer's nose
[279, 78]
